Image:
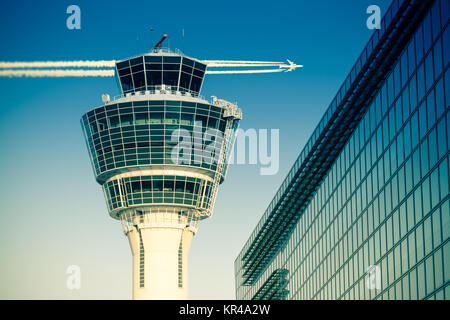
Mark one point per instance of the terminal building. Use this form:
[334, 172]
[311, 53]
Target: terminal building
[364, 211]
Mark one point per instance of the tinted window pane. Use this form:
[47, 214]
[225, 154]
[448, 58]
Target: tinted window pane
[188, 62]
[136, 61]
[153, 59]
[195, 84]
[154, 78]
[170, 78]
[153, 66]
[127, 83]
[185, 80]
[123, 64]
[139, 79]
[171, 59]
[171, 67]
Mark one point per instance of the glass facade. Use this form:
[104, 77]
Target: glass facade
[384, 201]
[176, 190]
[149, 71]
[139, 133]
[179, 141]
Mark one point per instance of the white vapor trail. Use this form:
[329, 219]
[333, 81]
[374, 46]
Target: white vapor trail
[282, 66]
[33, 73]
[210, 62]
[81, 68]
[244, 65]
[58, 64]
[244, 71]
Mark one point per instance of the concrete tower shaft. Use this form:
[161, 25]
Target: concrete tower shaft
[160, 239]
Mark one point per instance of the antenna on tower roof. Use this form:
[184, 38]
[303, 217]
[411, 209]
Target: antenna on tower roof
[182, 35]
[151, 34]
[137, 44]
[158, 45]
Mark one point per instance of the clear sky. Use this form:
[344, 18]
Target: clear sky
[53, 213]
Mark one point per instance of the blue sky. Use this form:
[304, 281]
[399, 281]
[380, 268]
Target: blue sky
[53, 212]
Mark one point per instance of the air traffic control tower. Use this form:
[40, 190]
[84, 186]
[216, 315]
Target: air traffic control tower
[159, 151]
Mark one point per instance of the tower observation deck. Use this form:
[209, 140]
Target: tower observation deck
[160, 151]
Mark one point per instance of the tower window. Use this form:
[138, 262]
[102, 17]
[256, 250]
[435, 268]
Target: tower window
[180, 265]
[141, 263]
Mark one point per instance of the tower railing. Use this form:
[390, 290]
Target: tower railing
[161, 89]
[166, 50]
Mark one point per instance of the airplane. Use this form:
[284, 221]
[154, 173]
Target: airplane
[290, 66]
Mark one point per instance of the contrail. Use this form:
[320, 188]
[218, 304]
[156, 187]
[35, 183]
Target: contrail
[60, 68]
[32, 73]
[282, 66]
[111, 64]
[208, 62]
[210, 65]
[244, 71]
[58, 64]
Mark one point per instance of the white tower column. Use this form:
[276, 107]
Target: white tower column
[160, 259]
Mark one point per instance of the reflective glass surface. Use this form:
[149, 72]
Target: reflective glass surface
[145, 72]
[385, 200]
[140, 133]
[156, 190]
